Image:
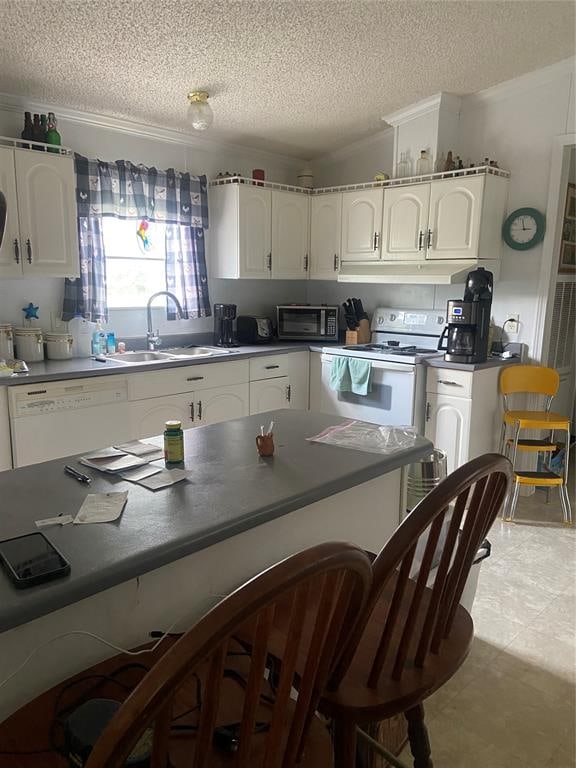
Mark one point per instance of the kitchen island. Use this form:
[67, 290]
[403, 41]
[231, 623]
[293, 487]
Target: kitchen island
[174, 552]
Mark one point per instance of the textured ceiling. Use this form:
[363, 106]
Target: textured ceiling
[297, 77]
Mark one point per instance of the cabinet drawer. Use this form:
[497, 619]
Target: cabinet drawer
[269, 367]
[448, 381]
[190, 378]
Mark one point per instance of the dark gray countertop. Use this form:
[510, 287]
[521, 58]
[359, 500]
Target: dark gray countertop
[492, 362]
[229, 491]
[79, 367]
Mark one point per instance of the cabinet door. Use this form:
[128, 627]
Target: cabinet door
[454, 220]
[10, 246]
[254, 231]
[448, 427]
[325, 224]
[290, 251]
[270, 394]
[361, 222]
[47, 211]
[148, 417]
[405, 222]
[221, 403]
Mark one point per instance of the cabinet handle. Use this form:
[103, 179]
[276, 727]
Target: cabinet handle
[288, 393]
[306, 263]
[376, 240]
[200, 410]
[421, 240]
[271, 367]
[336, 262]
[194, 378]
[429, 242]
[29, 250]
[269, 262]
[192, 411]
[428, 409]
[449, 383]
[16, 251]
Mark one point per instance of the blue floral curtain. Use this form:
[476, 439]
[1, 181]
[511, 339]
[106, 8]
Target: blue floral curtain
[128, 191]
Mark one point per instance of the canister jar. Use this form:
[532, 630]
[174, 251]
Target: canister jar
[29, 344]
[59, 346]
[6, 342]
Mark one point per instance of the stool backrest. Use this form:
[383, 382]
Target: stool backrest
[535, 379]
[420, 612]
[330, 583]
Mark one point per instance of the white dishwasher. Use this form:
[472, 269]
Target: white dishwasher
[51, 420]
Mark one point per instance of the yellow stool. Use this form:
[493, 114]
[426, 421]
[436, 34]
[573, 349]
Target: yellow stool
[537, 380]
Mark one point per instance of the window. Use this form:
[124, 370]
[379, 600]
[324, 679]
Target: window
[133, 273]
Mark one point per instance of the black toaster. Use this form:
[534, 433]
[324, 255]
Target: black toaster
[254, 330]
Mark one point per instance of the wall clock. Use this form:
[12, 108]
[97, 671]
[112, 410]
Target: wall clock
[524, 229]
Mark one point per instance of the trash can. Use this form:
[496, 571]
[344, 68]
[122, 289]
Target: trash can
[424, 475]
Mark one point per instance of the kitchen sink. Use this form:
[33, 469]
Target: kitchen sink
[140, 357]
[197, 352]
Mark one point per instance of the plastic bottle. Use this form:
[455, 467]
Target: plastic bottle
[81, 331]
[110, 343]
[173, 442]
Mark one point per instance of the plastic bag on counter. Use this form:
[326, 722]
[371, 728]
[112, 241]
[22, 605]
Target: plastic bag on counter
[371, 438]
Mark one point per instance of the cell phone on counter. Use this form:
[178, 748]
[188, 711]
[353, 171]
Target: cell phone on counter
[31, 559]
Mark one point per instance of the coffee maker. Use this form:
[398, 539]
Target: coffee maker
[224, 316]
[469, 321]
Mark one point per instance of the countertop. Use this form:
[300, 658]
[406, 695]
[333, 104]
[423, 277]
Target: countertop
[439, 362]
[230, 490]
[82, 367]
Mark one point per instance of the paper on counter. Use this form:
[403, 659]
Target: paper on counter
[104, 453]
[164, 478]
[58, 520]
[138, 448]
[117, 463]
[102, 507]
[135, 475]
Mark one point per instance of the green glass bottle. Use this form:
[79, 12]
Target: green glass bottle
[52, 135]
[43, 127]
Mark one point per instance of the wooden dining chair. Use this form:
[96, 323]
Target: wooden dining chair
[207, 701]
[415, 634]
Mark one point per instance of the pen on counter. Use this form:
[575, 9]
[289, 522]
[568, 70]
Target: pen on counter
[77, 475]
[270, 428]
[262, 430]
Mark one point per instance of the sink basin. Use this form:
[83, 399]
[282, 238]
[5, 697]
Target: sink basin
[197, 352]
[140, 357]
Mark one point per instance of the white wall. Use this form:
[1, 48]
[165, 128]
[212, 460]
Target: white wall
[515, 123]
[357, 162]
[117, 140]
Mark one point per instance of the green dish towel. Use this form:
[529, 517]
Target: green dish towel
[340, 374]
[360, 373]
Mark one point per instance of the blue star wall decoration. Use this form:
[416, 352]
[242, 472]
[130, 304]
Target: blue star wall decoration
[30, 312]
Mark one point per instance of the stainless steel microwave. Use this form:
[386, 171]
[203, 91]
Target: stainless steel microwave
[304, 322]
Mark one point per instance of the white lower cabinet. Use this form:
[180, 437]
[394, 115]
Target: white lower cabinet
[315, 381]
[270, 394]
[448, 426]
[463, 412]
[193, 409]
[5, 449]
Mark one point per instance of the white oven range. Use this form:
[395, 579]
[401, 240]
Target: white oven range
[401, 340]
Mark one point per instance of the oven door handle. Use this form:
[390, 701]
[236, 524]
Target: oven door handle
[378, 365]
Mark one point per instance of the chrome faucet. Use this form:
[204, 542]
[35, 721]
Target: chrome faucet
[153, 340]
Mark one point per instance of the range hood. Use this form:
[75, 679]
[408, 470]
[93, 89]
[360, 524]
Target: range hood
[426, 272]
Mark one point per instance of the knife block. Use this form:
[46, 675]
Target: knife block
[361, 335]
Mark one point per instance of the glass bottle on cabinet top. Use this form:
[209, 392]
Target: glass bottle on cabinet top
[402, 167]
[424, 164]
[52, 135]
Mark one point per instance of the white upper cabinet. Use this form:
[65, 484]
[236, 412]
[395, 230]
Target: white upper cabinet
[325, 222]
[38, 219]
[405, 223]
[361, 222]
[255, 235]
[290, 247]
[10, 251]
[47, 213]
[454, 222]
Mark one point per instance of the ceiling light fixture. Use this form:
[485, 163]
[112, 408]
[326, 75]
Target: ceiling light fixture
[200, 112]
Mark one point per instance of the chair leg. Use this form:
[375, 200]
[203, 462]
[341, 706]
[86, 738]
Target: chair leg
[344, 743]
[513, 503]
[418, 737]
[565, 501]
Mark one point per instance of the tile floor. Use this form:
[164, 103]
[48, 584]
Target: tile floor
[512, 704]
